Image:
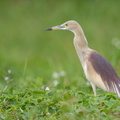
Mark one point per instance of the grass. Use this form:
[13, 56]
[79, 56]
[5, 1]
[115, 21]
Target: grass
[40, 75]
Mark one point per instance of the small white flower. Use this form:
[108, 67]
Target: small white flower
[43, 87]
[47, 88]
[48, 113]
[55, 83]
[9, 71]
[55, 75]
[62, 73]
[6, 78]
[116, 42]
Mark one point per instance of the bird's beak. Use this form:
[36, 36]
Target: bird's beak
[56, 28]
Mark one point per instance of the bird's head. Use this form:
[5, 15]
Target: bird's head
[69, 25]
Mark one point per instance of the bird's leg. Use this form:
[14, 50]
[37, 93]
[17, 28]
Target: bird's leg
[94, 88]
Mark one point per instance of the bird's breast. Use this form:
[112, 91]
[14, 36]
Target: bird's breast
[93, 76]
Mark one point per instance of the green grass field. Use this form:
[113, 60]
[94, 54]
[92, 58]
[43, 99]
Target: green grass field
[41, 77]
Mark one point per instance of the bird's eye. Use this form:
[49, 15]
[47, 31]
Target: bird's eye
[66, 24]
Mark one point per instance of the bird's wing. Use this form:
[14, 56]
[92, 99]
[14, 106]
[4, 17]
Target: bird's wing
[105, 70]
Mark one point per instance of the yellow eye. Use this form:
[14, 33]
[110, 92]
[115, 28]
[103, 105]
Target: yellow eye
[66, 24]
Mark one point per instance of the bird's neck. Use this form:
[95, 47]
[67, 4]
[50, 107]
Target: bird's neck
[81, 44]
[80, 39]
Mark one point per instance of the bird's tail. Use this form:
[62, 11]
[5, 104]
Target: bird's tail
[116, 87]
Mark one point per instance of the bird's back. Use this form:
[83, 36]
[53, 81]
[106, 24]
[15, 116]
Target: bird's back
[105, 70]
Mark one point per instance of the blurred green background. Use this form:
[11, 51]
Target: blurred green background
[30, 53]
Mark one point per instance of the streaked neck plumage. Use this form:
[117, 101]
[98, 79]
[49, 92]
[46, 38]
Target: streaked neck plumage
[80, 43]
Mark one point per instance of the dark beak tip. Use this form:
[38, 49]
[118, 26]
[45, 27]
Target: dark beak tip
[48, 29]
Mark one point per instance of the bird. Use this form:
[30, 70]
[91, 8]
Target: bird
[98, 71]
